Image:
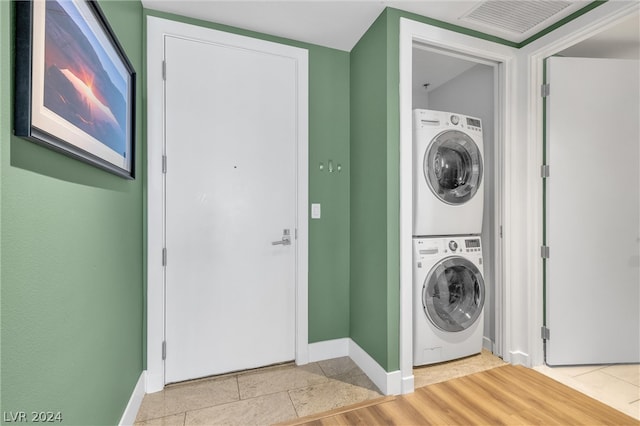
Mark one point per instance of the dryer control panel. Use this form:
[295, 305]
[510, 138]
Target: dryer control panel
[474, 123]
[469, 123]
[472, 245]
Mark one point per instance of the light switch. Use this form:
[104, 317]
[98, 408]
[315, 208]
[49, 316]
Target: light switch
[315, 211]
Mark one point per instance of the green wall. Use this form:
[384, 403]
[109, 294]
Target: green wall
[329, 236]
[328, 139]
[374, 199]
[72, 263]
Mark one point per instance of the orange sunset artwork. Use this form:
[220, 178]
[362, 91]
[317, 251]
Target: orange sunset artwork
[80, 84]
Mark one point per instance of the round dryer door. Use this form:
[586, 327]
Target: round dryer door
[453, 167]
[453, 294]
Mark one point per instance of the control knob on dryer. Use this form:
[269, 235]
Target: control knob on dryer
[453, 246]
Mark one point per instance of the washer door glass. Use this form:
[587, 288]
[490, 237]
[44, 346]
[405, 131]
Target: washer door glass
[453, 294]
[453, 167]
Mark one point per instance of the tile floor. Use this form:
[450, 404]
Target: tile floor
[615, 385]
[436, 373]
[259, 397]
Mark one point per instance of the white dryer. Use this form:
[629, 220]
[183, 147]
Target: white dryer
[448, 190]
[448, 298]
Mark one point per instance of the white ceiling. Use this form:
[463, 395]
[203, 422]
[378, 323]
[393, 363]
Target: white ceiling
[621, 41]
[435, 68]
[339, 24]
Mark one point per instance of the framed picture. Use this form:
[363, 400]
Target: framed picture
[75, 87]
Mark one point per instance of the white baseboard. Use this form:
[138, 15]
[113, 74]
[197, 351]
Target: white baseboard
[154, 382]
[519, 358]
[135, 401]
[328, 349]
[388, 383]
[487, 344]
[408, 385]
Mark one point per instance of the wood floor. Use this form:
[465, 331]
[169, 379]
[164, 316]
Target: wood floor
[508, 395]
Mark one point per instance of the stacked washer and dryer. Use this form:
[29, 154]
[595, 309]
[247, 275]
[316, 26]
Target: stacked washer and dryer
[449, 289]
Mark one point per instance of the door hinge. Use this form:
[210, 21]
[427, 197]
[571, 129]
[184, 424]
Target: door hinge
[164, 350]
[164, 70]
[544, 252]
[545, 90]
[164, 164]
[500, 231]
[164, 257]
[544, 333]
[544, 170]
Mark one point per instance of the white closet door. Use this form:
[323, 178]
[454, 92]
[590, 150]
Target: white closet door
[593, 211]
[231, 128]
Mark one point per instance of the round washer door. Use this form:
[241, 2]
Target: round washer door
[453, 167]
[453, 294]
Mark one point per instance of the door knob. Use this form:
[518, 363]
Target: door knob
[286, 239]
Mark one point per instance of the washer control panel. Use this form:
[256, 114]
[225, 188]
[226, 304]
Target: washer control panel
[429, 248]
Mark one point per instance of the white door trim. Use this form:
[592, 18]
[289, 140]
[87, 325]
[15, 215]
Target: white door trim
[597, 20]
[157, 29]
[410, 32]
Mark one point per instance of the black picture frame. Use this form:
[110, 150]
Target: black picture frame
[74, 85]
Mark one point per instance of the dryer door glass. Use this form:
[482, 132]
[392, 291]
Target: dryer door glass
[453, 167]
[453, 294]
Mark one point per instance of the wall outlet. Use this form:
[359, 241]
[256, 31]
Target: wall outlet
[315, 211]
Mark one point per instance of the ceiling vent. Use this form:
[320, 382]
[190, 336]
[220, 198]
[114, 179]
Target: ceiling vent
[515, 16]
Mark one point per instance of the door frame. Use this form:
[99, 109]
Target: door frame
[157, 30]
[505, 58]
[534, 55]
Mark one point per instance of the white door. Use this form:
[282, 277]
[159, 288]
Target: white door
[593, 211]
[231, 129]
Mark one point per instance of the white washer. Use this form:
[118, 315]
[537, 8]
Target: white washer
[448, 298]
[448, 190]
